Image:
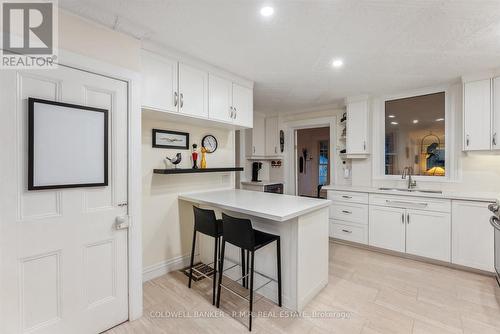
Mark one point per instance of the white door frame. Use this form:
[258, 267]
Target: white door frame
[134, 167]
[290, 160]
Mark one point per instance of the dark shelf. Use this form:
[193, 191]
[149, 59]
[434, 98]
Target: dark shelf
[198, 170]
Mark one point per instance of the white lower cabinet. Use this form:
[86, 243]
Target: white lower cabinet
[348, 231]
[349, 216]
[428, 234]
[472, 235]
[387, 228]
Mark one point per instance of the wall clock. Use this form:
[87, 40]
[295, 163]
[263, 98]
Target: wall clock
[210, 143]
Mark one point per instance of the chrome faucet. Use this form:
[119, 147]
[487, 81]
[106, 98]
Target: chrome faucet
[408, 171]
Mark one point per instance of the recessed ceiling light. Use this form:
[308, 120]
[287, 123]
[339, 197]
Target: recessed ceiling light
[394, 123]
[337, 63]
[391, 116]
[415, 121]
[439, 119]
[267, 11]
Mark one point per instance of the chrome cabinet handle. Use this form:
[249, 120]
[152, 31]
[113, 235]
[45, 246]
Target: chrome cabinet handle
[231, 112]
[407, 218]
[176, 99]
[345, 196]
[254, 149]
[364, 146]
[494, 141]
[182, 100]
[235, 113]
[275, 150]
[467, 140]
[494, 222]
[346, 212]
[389, 202]
[402, 218]
[346, 231]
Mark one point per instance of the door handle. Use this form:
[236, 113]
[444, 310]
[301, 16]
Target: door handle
[182, 100]
[494, 141]
[122, 223]
[347, 197]
[402, 218]
[467, 140]
[235, 113]
[346, 231]
[176, 99]
[407, 218]
[231, 114]
[346, 212]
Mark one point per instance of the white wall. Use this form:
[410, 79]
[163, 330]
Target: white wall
[166, 237]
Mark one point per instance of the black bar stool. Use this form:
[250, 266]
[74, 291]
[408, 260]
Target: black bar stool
[206, 223]
[239, 232]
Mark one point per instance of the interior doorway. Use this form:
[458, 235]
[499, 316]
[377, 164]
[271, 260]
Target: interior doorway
[313, 160]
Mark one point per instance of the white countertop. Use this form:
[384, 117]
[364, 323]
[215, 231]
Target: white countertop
[457, 195]
[265, 205]
[261, 183]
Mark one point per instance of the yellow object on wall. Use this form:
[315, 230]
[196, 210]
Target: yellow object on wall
[203, 163]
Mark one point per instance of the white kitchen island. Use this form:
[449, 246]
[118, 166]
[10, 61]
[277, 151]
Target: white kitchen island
[302, 224]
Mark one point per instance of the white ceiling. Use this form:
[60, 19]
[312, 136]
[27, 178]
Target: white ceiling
[387, 45]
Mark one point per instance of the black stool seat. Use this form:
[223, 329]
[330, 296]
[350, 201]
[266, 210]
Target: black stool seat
[262, 239]
[240, 233]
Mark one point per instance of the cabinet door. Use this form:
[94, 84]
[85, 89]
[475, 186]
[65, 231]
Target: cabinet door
[387, 228]
[495, 135]
[255, 137]
[472, 235]
[357, 128]
[159, 82]
[243, 105]
[193, 91]
[428, 234]
[272, 136]
[220, 98]
[477, 115]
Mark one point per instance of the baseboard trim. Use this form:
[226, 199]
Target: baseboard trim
[162, 268]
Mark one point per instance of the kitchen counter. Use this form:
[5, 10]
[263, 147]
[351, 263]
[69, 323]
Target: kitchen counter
[301, 223]
[455, 195]
[270, 206]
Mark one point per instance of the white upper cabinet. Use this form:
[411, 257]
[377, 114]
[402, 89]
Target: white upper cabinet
[477, 115]
[243, 105]
[357, 128]
[220, 99]
[256, 137]
[159, 82]
[171, 86]
[495, 119]
[193, 91]
[272, 136]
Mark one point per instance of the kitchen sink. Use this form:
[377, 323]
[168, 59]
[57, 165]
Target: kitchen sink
[412, 190]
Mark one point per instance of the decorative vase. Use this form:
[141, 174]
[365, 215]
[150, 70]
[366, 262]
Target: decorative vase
[203, 158]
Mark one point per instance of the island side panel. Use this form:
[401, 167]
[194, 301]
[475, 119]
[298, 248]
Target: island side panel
[313, 252]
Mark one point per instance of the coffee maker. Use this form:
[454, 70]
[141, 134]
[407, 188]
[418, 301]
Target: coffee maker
[256, 166]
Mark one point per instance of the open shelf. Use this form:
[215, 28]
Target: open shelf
[197, 170]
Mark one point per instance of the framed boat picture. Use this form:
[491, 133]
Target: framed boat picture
[170, 139]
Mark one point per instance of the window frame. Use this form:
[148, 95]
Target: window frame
[379, 136]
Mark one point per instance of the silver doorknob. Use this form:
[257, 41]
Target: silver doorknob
[121, 223]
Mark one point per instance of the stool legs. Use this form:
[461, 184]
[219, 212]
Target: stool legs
[221, 271]
[252, 257]
[192, 260]
[278, 255]
[214, 279]
[243, 280]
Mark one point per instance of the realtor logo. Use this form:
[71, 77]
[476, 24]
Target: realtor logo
[29, 38]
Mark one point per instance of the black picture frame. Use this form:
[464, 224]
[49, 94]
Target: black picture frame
[31, 147]
[179, 147]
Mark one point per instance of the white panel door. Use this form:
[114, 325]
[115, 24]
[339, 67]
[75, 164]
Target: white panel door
[387, 228]
[243, 105]
[193, 91]
[477, 115]
[63, 264]
[495, 119]
[357, 128]
[472, 235]
[220, 99]
[272, 136]
[159, 82]
[428, 234]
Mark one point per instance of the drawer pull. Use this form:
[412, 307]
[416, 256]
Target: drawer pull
[346, 212]
[391, 202]
[345, 196]
[346, 231]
